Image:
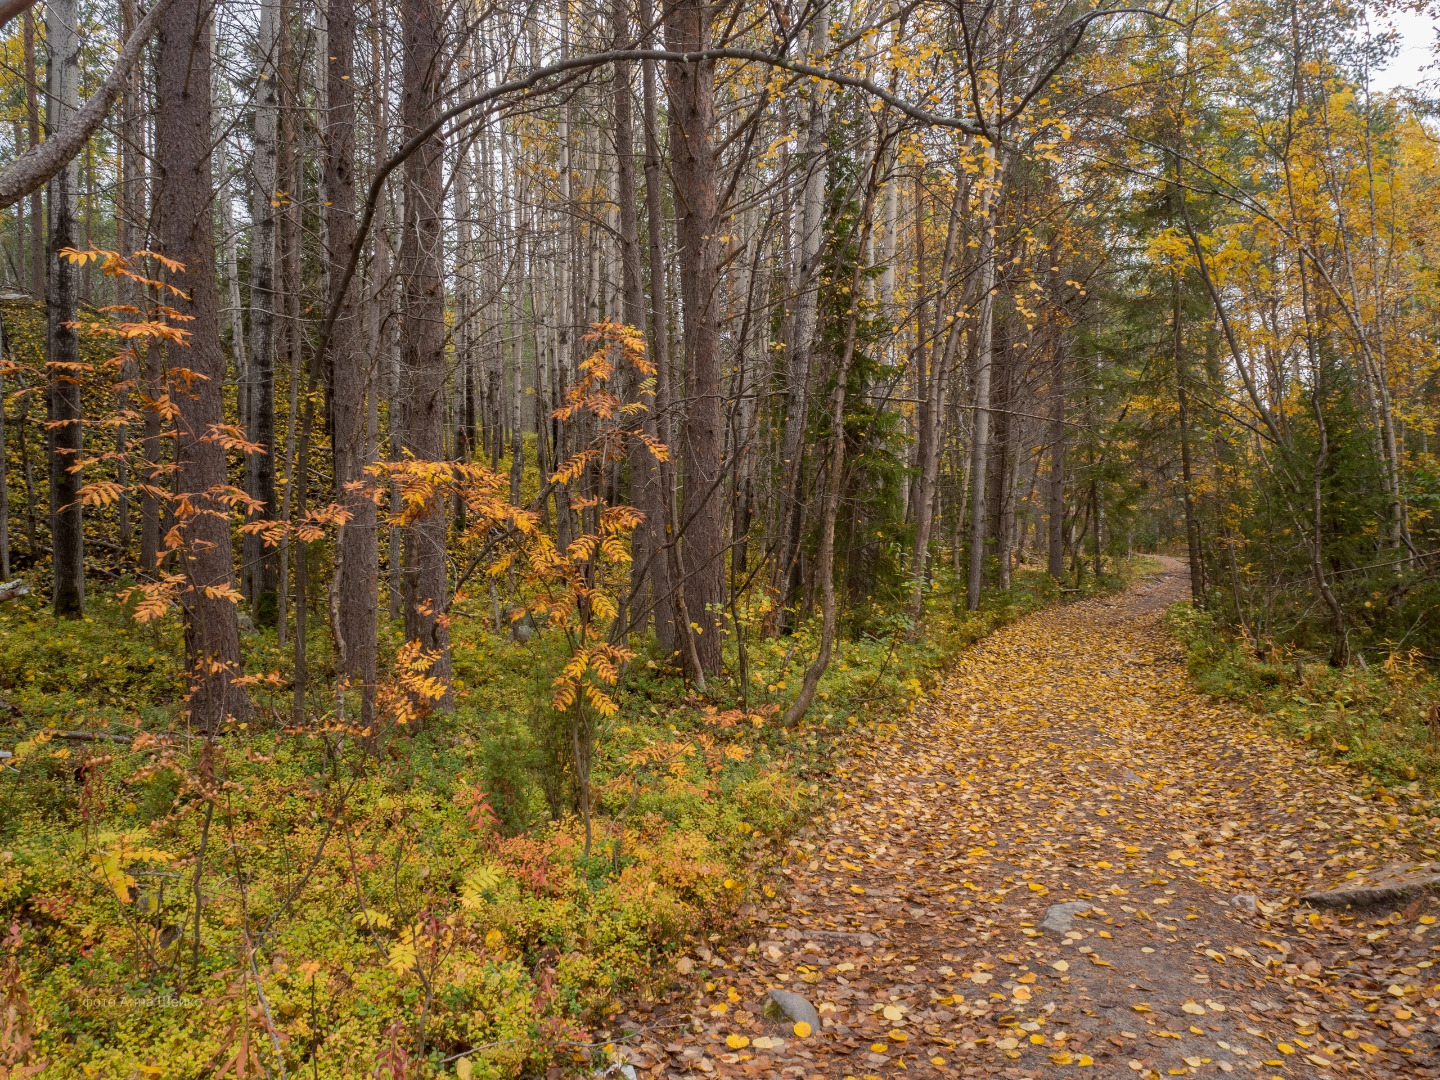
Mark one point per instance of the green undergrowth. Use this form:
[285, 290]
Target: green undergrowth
[178, 908]
[1381, 718]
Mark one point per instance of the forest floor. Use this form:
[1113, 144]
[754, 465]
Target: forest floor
[1068, 759]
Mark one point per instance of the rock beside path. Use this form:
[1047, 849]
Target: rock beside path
[1387, 886]
[792, 1007]
[1058, 916]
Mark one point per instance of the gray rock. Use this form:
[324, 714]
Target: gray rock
[787, 1005]
[1246, 902]
[1058, 916]
[1388, 886]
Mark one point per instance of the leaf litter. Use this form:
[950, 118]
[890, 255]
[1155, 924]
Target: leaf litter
[1067, 760]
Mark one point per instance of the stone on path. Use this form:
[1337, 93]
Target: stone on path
[1058, 916]
[792, 1007]
[1386, 886]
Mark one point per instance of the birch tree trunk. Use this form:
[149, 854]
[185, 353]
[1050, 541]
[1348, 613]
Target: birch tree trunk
[648, 548]
[32, 116]
[802, 344]
[984, 360]
[944, 343]
[1055, 494]
[62, 342]
[663, 575]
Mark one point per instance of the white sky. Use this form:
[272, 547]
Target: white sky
[1417, 59]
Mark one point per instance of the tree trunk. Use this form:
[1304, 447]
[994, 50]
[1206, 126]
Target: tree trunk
[1055, 523]
[693, 165]
[127, 292]
[152, 379]
[646, 494]
[984, 357]
[1192, 527]
[422, 328]
[62, 344]
[37, 211]
[359, 554]
[299, 700]
[662, 527]
[259, 563]
[944, 343]
[834, 473]
[802, 342]
[4, 466]
[184, 203]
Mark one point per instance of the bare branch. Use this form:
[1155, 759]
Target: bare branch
[34, 168]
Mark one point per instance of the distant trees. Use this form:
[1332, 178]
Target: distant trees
[923, 300]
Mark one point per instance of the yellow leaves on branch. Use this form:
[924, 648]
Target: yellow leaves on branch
[113, 264]
[618, 344]
[119, 851]
[425, 486]
[589, 670]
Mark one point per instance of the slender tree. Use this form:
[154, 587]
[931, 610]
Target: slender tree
[62, 342]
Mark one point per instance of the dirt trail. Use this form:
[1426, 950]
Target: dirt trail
[1067, 759]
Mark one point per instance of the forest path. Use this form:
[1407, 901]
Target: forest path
[1067, 758]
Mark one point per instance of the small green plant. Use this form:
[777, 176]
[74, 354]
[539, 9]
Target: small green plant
[1375, 717]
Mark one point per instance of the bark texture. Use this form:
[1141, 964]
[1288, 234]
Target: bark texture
[185, 232]
[692, 155]
[358, 566]
[62, 79]
[259, 573]
[422, 327]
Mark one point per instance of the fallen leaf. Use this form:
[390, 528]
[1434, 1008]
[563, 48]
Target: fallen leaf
[801, 1029]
